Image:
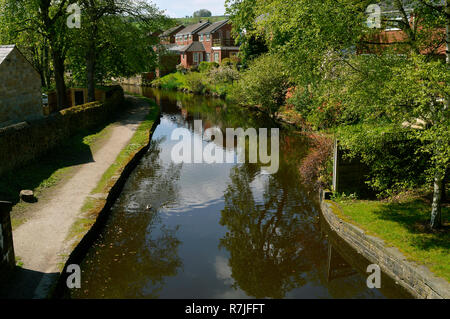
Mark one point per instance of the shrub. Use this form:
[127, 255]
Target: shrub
[181, 68]
[194, 82]
[205, 67]
[315, 167]
[264, 83]
[223, 74]
[171, 81]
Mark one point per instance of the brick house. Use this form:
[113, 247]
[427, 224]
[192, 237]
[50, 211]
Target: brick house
[20, 88]
[218, 42]
[168, 36]
[168, 59]
[203, 41]
[393, 35]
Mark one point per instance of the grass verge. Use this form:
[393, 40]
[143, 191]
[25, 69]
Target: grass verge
[94, 204]
[404, 225]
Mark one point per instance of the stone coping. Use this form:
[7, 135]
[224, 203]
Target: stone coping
[417, 279]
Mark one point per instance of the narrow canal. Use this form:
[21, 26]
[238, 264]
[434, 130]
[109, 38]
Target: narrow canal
[217, 230]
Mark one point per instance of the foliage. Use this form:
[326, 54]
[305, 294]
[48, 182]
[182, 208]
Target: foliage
[202, 13]
[394, 157]
[264, 83]
[223, 74]
[315, 167]
[171, 81]
[205, 67]
[194, 82]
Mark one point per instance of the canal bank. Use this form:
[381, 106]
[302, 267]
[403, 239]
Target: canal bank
[44, 241]
[214, 230]
[417, 279]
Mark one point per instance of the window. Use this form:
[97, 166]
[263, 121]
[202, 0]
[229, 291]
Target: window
[196, 57]
[208, 57]
[185, 37]
[207, 37]
[233, 54]
[216, 57]
[228, 35]
[190, 37]
[201, 37]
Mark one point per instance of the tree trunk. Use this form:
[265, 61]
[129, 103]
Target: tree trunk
[61, 90]
[436, 206]
[90, 73]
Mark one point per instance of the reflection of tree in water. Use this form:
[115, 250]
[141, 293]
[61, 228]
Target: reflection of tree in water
[136, 252]
[272, 243]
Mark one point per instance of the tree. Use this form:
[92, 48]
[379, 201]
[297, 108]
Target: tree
[264, 83]
[202, 13]
[48, 19]
[140, 16]
[243, 16]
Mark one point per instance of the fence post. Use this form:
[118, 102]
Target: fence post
[7, 258]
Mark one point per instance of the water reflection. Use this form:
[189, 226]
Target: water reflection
[215, 230]
[136, 252]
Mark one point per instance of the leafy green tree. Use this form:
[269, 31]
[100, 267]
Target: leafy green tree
[264, 83]
[97, 35]
[243, 16]
[48, 19]
[202, 13]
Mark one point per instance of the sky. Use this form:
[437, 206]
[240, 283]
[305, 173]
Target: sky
[182, 8]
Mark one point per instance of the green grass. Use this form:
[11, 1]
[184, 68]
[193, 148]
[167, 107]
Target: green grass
[49, 169]
[404, 225]
[92, 206]
[172, 81]
[139, 140]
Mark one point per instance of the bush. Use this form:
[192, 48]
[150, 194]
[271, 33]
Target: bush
[181, 69]
[171, 81]
[223, 74]
[194, 82]
[205, 67]
[316, 167]
[265, 83]
[395, 165]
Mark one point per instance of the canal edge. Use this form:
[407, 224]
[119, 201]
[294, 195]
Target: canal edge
[79, 251]
[417, 279]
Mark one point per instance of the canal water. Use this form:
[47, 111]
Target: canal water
[218, 230]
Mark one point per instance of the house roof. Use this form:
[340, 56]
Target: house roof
[5, 50]
[171, 30]
[194, 28]
[193, 47]
[214, 27]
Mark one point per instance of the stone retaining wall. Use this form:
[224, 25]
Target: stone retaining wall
[23, 142]
[416, 279]
[7, 259]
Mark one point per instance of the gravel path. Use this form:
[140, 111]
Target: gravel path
[41, 241]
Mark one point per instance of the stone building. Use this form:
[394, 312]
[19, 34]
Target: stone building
[20, 88]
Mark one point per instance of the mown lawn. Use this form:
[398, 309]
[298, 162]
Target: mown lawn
[404, 224]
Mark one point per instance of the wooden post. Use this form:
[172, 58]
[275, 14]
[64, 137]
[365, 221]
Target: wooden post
[336, 187]
[7, 257]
